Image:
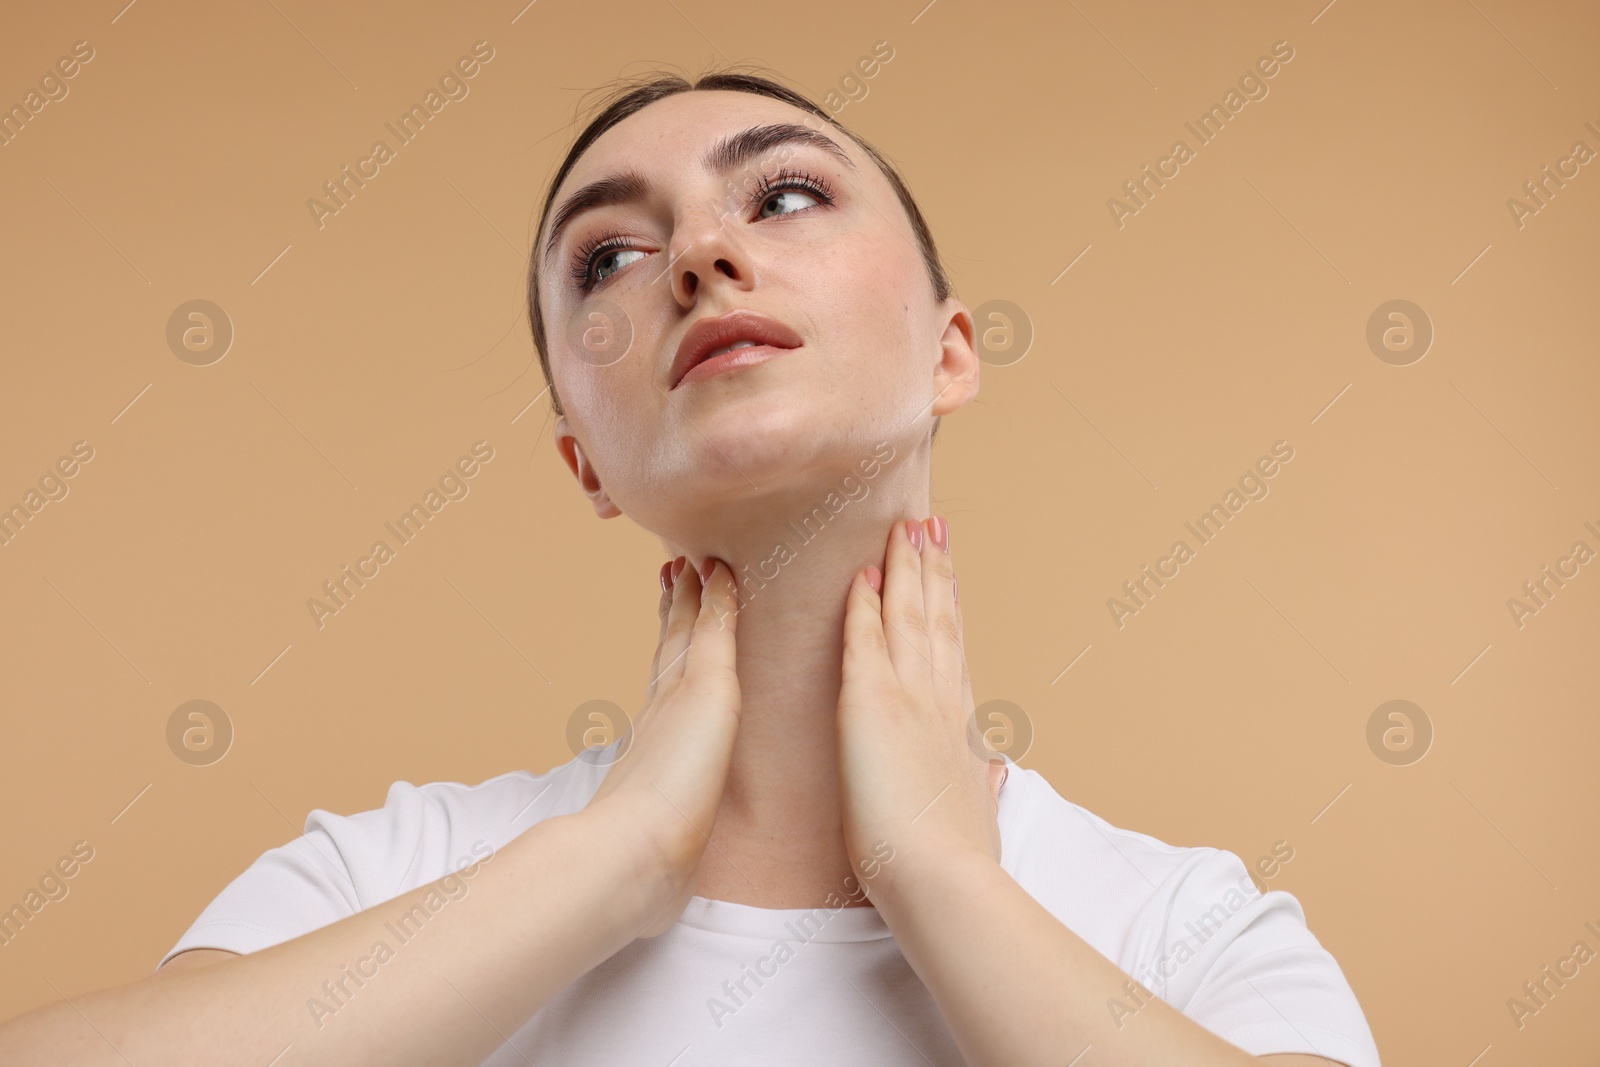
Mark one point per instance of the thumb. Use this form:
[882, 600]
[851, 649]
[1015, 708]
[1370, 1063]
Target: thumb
[866, 651]
[663, 609]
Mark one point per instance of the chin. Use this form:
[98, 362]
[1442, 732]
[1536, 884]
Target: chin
[774, 440]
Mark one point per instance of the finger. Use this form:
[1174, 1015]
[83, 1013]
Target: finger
[713, 655]
[905, 625]
[966, 685]
[680, 625]
[939, 606]
[662, 608]
[866, 653]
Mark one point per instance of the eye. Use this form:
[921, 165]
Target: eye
[788, 202]
[589, 259]
[785, 184]
[613, 259]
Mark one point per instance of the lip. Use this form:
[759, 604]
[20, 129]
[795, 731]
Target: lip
[771, 337]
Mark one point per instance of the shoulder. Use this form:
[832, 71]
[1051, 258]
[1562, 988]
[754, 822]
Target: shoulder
[1124, 891]
[1101, 875]
[423, 832]
[1189, 925]
[343, 864]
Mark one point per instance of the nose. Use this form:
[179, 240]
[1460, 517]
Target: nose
[703, 247]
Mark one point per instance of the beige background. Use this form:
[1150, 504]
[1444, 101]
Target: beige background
[1228, 314]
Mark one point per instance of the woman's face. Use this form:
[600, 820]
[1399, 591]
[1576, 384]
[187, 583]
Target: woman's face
[810, 237]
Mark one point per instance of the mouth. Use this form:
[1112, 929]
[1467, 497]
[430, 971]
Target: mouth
[738, 339]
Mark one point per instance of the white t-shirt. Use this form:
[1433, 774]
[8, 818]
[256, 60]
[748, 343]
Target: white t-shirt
[734, 984]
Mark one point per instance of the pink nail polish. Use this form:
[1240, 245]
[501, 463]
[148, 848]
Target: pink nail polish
[706, 568]
[666, 569]
[940, 530]
[914, 531]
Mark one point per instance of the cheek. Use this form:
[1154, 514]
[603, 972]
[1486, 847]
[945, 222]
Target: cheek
[612, 409]
[621, 432]
[612, 406]
[868, 300]
[597, 349]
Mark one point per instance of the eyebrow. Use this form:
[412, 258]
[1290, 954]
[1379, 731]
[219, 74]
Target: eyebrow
[731, 151]
[630, 185]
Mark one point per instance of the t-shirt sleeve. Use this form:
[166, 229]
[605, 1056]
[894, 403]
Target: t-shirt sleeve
[342, 864]
[1245, 966]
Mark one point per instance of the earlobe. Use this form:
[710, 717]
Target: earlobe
[955, 378]
[572, 452]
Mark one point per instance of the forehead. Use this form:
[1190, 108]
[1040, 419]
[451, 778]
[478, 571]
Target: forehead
[675, 130]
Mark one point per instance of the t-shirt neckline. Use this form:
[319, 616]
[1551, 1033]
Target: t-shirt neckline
[823, 922]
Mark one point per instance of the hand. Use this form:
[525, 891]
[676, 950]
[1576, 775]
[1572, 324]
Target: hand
[914, 785]
[667, 784]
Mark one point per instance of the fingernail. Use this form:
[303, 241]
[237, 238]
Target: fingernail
[940, 532]
[666, 569]
[955, 589]
[706, 568]
[914, 531]
[875, 579]
[677, 568]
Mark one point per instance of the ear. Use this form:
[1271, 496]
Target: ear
[955, 376]
[567, 445]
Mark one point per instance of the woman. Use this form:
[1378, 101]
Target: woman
[798, 853]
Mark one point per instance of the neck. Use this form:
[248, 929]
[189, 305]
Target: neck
[778, 835]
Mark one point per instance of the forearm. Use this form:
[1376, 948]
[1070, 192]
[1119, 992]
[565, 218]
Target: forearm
[1017, 987]
[546, 908]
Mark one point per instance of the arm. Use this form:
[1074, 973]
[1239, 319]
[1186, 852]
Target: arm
[1015, 985]
[551, 905]
[558, 899]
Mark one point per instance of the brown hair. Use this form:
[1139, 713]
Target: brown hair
[635, 95]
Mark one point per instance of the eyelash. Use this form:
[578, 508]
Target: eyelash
[583, 259]
[788, 178]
